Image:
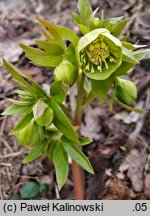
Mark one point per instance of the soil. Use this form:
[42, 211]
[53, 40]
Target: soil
[120, 151]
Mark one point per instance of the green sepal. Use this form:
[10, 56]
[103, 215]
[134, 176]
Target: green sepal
[111, 42]
[36, 151]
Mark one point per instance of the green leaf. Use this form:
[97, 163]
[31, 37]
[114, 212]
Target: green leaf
[82, 141]
[60, 160]
[23, 122]
[83, 29]
[78, 156]
[76, 18]
[62, 123]
[68, 35]
[30, 190]
[124, 68]
[112, 20]
[39, 108]
[142, 53]
[54, 32]
[44, 188]
[130, 108]
[51, 147]
[41, 58]
[22, 102]
[58, 91]
[100, 88]
[15, 110]
[128, 56]
[116, 29]
[85, 11]
[51, 48]
[130, 46]
[36, 151]
[18, 75]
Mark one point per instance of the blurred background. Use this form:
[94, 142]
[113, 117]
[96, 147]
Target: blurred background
[121, 140]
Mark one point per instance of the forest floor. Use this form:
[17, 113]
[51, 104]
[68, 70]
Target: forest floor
[120, 151]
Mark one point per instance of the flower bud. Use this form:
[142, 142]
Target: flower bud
[99, 54]
[30, 135]
[126, 91]
[66, 72]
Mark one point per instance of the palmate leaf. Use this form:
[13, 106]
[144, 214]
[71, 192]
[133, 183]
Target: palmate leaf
[15, 110]
[36, 151]
[41, 58]
[19, 76]
[78, 156]
[52, 48]
[116, 29]
[62, 123]
[53, 31]
[60, 160]
[68, 34]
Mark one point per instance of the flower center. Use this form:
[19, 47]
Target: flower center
[96, 56]
[97, 52]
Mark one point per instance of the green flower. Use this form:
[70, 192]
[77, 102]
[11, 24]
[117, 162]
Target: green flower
[99, 54]
[66, 72]
[126, 91]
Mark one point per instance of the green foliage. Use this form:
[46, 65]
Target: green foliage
[46, 126]
[31, 190]
[125, 91]
[65, 72]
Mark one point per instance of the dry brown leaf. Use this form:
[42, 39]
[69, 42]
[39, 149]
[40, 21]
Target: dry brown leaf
[117, 190]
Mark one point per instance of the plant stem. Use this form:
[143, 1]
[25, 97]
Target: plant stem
[77, 171]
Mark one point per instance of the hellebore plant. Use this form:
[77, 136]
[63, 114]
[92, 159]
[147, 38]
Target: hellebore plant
[97, 62]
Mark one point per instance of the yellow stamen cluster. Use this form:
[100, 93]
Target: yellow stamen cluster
[95, 55]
